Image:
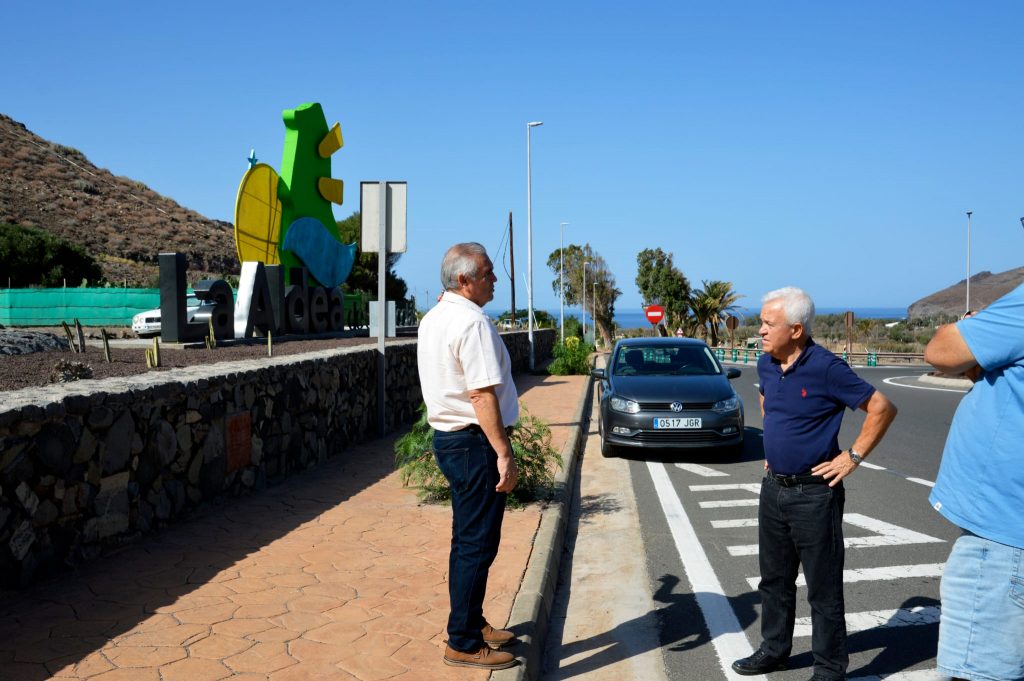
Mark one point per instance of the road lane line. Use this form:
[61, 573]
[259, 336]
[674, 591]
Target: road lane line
[727, 635]
[728, 503]
[878, 619]
[886, 534]
[880, 574]
[741, 522]
[915, 675]
[926, 483]
[889, 381]
[872, 466]
[703, 471]
[754, 487]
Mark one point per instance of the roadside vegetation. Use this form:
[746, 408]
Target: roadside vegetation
[531, 441]
[34, 258]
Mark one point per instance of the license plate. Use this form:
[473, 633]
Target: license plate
[673, 423]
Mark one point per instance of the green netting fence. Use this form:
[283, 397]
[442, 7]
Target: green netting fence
[90, 306]
[107, 306]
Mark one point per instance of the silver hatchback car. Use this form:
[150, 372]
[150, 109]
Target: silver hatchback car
[668, 393]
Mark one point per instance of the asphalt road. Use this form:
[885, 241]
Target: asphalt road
[697, 515]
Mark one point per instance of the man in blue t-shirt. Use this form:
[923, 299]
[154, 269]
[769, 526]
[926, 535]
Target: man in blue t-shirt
[980, 488]
[804, 391]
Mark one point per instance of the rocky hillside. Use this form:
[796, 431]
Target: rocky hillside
[121, 222]
[985, 288]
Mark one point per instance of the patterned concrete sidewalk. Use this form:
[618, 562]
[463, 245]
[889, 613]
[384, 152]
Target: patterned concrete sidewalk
[339, 573]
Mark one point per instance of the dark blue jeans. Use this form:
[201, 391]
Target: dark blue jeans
[471, 466]
[803, 525]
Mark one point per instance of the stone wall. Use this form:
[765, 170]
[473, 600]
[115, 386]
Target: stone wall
[92, 464]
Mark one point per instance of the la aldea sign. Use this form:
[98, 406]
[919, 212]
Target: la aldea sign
[285, 236]
[266, 304]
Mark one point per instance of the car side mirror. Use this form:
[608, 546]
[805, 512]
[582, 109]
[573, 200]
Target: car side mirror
[732, 372]
[599, 373]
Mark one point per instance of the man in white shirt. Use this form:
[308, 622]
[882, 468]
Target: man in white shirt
[472, 404]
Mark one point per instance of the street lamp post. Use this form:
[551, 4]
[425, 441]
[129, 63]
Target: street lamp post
[529, 241]
[593, 301]
[561, 284]
[967, 308]
[585, 266]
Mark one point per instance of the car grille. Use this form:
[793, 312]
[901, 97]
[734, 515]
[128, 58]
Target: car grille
[676, 436]
[667, 406]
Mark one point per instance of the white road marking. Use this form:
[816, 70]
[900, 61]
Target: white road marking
[727, 634]
[890, 380]
[926, 483]
[915, 675]
[701, 470]
[872, 466]
[886, 534]
[878, 619]
[729, 503]
[875, 574]
[754, 487]
[742, 522]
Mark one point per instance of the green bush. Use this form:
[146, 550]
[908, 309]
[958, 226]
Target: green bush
[571, 357]
[531, 442]
[31, 257]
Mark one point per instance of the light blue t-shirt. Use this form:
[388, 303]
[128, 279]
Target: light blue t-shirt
[980, 486]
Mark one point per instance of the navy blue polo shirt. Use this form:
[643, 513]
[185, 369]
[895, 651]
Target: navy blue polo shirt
[803, 407]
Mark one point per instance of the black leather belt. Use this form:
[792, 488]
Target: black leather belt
[475, 428]
[794, 480]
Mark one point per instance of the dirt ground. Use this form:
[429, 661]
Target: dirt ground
[28, 371]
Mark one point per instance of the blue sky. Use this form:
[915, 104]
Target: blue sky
[834, 146]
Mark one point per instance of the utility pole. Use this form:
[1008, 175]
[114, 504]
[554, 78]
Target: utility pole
[512, 265]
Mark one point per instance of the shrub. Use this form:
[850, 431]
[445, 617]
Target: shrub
[531, 443]
[65, 371]
[33, 257]
[571, 357]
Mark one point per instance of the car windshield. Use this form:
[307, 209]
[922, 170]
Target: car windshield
[665, 360]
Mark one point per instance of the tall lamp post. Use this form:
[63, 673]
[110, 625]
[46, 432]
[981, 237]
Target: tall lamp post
[529, 240]
[561, 285]
[593, 301]
[967, 307]
[585, 266]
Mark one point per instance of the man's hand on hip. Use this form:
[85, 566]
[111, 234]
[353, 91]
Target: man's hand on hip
[836, 469]
[508, 474]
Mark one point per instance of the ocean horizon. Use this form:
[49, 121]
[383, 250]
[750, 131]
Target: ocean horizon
[634, 318]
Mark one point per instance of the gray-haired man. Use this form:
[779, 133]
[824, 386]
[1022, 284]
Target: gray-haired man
[472, 403]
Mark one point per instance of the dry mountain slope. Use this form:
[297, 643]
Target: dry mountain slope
[121, 222]
[986, 288]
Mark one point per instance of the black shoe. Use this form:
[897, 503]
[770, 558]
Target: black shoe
[759, 663]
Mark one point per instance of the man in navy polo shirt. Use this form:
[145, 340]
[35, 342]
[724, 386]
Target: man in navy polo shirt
[804, 390]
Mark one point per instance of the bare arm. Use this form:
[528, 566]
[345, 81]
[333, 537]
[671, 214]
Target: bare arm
[488, 414]
[880, 414]
[948, 352]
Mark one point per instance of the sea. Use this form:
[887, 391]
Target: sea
[634, 318]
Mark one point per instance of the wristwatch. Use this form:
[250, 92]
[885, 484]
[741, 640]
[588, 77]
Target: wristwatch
[854, 456]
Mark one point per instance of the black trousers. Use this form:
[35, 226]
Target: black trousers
[471, 466]
[803, 525]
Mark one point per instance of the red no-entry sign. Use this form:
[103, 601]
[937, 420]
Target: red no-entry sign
[655, 313]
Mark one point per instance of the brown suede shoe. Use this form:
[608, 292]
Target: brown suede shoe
[485, 658]
[496, 638]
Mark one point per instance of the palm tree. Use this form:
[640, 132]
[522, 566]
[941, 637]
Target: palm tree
[716, 300]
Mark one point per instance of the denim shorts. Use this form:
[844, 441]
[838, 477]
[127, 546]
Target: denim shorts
[981, 634]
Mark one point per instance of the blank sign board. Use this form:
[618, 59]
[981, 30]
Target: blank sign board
[395, 212]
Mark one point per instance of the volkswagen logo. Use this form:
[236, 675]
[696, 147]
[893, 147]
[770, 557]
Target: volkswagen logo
[677, 406]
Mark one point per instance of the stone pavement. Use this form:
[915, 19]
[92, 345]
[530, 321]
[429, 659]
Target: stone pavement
[338, 573]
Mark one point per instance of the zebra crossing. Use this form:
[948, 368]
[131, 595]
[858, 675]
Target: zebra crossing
[868, 534]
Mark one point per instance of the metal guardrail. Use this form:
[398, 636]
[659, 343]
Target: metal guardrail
[871, 359]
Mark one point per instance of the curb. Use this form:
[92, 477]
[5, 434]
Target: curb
[531, 610]
[964, 383]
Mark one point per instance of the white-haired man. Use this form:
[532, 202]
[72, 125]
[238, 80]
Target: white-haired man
[804, 390]
[472, 404]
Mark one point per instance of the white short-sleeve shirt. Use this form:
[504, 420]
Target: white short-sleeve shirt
[460, 350]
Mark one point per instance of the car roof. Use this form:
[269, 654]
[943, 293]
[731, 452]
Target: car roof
[670, 342]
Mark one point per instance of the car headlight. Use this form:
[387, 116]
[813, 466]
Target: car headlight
[727, 405]
[625, 406]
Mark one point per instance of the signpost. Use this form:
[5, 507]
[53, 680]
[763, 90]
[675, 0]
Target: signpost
[382, 207]
[655, 314]
[848, 318]
[731, 322]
